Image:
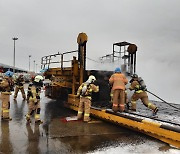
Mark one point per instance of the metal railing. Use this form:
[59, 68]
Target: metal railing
[46, 61]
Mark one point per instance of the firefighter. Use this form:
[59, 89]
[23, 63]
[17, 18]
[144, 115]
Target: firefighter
[85, 93]
[29, 88]
[19, 82]
[5, 86]
[118, 82]
[140, 93]
[34, 100]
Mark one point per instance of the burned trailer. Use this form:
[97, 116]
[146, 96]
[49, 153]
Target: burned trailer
[68, 74]
[65, 80]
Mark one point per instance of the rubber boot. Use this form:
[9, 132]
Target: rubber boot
[155, 111]
[127, 106]
[121, 107]
[79, 116]
[151, 106]
[87, 119]
[115, 107]
[28, 120]
[39, 121]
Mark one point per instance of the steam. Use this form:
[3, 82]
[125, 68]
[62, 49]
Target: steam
[160, 78]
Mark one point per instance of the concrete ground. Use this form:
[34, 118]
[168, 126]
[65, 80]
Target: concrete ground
[57, 135]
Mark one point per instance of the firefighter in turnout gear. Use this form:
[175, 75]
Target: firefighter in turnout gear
[85, 93]
[29, 88]
[140, 93]
[5, 86]
[34, 100]
[118, 82]
[19, 82]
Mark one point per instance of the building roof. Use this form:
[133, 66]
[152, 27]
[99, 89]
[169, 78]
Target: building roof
[6, 67]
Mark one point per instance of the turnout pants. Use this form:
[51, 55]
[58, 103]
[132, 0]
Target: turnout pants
[144, 98]
[118, 100]
[21, 88]
[84, 106]
[33, 109]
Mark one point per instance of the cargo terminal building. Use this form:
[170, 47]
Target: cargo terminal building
[4, 68]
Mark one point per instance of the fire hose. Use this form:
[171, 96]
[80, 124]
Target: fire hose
[163, 100]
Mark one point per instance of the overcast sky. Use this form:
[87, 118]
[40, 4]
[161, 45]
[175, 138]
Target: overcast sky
[49, 26]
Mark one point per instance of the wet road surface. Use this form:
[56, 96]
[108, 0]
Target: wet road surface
[56, 135]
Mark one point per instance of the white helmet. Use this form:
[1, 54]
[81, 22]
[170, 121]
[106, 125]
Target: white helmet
[38, 78]
[91, 79]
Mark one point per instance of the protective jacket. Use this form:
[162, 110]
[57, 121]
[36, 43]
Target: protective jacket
[5, 97]
[136, 86]
[88, 93]
[19, 82]
[118, 80]
[5, 87]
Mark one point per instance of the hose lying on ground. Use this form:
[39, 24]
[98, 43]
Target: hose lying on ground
[163, 100]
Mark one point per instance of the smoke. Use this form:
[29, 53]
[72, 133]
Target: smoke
[160, 76]
[161, 79]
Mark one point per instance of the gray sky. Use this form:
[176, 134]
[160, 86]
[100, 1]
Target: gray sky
[49, 26]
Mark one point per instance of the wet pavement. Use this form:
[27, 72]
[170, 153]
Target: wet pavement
[57, 135]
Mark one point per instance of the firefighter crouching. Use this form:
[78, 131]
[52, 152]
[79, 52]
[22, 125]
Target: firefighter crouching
[19, 82]
[5, 86]
[118, 82]
[140, 93]
[85, 93]
[34, 100]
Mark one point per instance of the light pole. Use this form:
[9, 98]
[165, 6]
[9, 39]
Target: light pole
[29, 62]
[14, 39]
[36, 68]
[34, 65]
